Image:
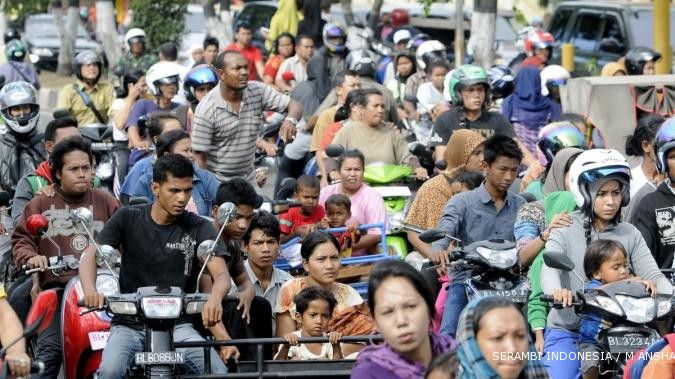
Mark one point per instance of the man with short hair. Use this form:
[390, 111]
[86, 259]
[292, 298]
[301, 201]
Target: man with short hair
[227, 121]
[158, 243]
[72, 165]
[242, 43]
[211, 47]
[295, 65]
[30, 185]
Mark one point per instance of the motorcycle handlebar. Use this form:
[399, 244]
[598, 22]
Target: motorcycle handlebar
[558, 305]
[28, 269]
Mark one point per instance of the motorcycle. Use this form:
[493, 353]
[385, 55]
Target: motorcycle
[100, 136]
[83, 337]
[158, 309]
[629, 308]
[492, 264]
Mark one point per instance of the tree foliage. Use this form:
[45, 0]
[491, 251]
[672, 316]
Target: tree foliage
[162, 20]
[18, 11]
[426, 6]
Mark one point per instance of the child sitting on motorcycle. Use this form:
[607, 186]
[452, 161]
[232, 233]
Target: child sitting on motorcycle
[338, 212]
[314, 307]
[298, 222]
[605, 261]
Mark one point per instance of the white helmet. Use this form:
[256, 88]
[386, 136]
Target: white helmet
[16, 94]
[428, 51]
[595, 164]
[137, 33]
[162, 73]
[556, 75]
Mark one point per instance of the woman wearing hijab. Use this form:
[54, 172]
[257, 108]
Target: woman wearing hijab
[402, 307]
[312, 22]
[285, 19]
[527, 109]
[404, 64]
[493, 342]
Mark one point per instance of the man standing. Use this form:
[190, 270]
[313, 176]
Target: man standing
[252, 54]
[211, 46]
[137, 56]
[296, 65]
[227, 121]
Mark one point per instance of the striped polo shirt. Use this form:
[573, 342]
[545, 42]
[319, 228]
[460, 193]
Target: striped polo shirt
[229, 137]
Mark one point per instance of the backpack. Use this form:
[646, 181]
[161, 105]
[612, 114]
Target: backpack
[636, 365]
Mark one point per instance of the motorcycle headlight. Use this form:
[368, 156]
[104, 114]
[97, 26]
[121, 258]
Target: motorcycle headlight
[161, 307]
[605, 303]
[663, 307]
[123, 307]
[105, 170]
[503, 259]
[107, 285]
[638, 310]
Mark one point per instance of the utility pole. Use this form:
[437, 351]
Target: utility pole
[483, 22]
[459, 33]
[661, 33]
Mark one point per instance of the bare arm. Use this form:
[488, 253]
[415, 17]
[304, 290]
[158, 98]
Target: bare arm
[530, 251]
[121, 117]
[367, 242]
[438, 152]
[422, 247]
[285, 324]
[10, 328]
[283, 85]
[221, 278]
[260, 69]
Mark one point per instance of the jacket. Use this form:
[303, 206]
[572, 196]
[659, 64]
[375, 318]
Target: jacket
[654, 217]
[571, 241]
[71, 238]
[19, 157]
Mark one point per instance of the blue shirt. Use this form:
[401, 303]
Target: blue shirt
[591, 324]
[204, 190]
[143, 107]
[142, 167]
[472, 216]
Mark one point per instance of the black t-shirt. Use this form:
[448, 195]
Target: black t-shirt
[153, 254]
[488, 124]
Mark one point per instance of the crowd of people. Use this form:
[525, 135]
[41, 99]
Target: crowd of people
[514, 167]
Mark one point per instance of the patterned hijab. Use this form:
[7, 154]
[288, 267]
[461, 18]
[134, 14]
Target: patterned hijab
[472, 363]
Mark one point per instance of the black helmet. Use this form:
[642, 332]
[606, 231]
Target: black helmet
[502, 82]
[87, 57]
[637, 57]
[10, 34]
[362, 61]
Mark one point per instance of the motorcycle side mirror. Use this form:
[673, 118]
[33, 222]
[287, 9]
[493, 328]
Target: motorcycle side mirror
[441, 165]
[4, 199]
[106, 255]
[226, 212]
[205, 249]
[283, 206]
[83, 216]
[60, 113]
[37, 225]
[558, 261]
[334, 150]
[432, 235]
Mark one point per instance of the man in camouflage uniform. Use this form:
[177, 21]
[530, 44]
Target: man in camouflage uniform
[136, 57]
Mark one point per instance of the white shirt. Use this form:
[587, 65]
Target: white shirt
[428, 97]
[638, 179]
[301, 352]
[294, 65]
[118, 135]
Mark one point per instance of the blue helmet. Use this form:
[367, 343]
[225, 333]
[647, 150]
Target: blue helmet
[199, 75]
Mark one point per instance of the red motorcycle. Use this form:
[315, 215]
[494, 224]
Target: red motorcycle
[84, 334]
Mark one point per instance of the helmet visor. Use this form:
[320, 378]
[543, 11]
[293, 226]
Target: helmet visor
[621, 172]
[136, 40]
[565, 136]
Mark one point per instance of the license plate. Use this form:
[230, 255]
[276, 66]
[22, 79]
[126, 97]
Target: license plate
[98, 340]
[629, 343]
[163, 358]
[518, 296]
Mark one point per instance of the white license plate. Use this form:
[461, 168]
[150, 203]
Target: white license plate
[98, 340]
[163, 358]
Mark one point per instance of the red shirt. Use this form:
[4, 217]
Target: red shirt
[252, 55]
[294, 218]
[272, 66]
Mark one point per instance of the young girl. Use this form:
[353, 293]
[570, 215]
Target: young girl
[605, 262]
[314, 307]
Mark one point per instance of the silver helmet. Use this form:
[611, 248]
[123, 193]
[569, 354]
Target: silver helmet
[16, 94]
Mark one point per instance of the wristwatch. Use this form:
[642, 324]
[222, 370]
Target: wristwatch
[292, 120]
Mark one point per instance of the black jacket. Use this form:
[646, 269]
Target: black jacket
[655, 219]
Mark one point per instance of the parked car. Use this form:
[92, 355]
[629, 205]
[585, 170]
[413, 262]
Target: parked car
[602, 31]
[43, 43]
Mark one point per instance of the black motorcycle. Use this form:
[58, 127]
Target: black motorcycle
[493, 265]
[100, 136]
[629, 308]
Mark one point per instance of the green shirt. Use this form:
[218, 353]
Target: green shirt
[129, 62]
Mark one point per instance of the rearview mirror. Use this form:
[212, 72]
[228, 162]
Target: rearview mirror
[107, 254]
[558, 261]
[334, 150]
[432, 235]
[204, 250]
[83, 216]
[37, 224]
[226, 212]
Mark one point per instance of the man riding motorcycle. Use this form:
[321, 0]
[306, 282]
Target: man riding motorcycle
[330, 58]
[72, 169]
[137, 56]
[88, 99]
[167, 259]
[21, 147]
